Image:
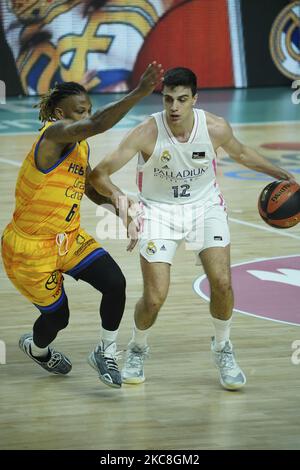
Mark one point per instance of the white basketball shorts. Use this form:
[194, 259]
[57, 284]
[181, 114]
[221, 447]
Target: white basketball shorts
[165, 226]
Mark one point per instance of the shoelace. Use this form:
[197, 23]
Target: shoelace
[54, 360]
[135, 358]
[110, 360]
[60, 239]
[227, 359]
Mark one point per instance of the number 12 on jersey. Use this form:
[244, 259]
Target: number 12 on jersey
[181, 191]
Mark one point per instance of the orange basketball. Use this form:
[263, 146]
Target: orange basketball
[279, 204]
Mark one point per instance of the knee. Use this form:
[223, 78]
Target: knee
[60, 319]
[153, 302]
[62, 322]
[116, 283]
[221, 286]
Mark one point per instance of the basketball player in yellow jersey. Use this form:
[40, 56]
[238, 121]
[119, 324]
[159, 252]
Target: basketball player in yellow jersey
[44, 238]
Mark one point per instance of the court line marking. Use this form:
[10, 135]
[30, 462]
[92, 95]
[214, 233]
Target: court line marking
[261, 123]
[9, 134]
[268, 229]
[232, 219]
[10, 162]
[14, 327]
[249, 224]
[198, 291]
[233, 124]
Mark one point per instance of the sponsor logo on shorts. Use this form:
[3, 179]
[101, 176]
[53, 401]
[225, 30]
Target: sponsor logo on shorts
[163, 248]
[218, 238]
[52, 281]
[80, 239]
[165, 156]
[84, 246]
[284, 41]
[151, 248]
[57, 293]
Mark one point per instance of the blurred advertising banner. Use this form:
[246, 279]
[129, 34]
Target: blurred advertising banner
[105, 45]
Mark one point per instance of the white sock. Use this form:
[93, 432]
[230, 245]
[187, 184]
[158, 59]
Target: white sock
[108, 337]
[38, 352]
[139, 337]
[222, 332]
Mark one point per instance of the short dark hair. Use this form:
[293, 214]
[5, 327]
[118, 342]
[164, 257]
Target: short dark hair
[49, 101]
[181, 76]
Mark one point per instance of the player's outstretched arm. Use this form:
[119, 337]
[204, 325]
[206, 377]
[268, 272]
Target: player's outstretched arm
[99, 178]
[91, 193]
[66, 131]
[248, 156]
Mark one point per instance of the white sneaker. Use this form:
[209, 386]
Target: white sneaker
[133, 369]
[231, 375]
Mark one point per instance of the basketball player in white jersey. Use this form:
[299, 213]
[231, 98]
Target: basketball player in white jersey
[181, 199]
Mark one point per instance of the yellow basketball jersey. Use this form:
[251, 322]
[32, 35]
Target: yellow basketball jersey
[48, 201]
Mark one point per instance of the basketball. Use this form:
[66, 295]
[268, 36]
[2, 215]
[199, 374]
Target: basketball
[279, 204]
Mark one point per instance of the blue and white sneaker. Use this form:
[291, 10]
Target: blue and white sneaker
[231, 375]
[58, 362]
[103, 360]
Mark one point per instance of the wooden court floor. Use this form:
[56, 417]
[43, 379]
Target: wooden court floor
[181, 405]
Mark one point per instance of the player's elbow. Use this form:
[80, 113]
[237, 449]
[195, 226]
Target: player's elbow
[89, 189]
[243, 154]
[93, 177]
[240, 156]
[96, 175]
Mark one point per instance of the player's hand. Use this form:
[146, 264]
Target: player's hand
[120, 201]
[285, 175]
[151, 78]
[122, 204]
[134, 223]
[130, 213]
[132, 233]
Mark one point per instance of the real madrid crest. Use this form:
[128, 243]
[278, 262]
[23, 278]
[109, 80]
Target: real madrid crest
[151, 248]
[285, 42]
[165, 156]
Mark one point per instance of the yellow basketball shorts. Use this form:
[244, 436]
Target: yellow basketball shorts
[36, 265]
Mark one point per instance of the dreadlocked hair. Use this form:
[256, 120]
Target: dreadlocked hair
[49, 100]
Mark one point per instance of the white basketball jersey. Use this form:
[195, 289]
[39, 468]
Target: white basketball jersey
[180, 173]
